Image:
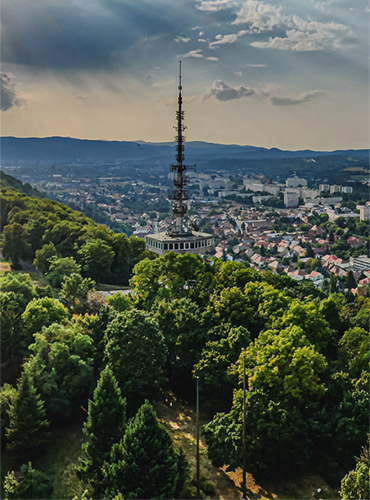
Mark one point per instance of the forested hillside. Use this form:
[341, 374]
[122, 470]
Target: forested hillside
[66, 354]
[33, 227]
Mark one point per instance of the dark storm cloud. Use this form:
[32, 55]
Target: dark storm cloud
[78, 33]
[222, 92]
[9, 96]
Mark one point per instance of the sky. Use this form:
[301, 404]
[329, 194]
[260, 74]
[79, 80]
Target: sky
[289, 74]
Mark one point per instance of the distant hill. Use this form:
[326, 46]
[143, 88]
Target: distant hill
[7, 181]
[68, 150]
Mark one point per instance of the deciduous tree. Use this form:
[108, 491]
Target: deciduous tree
[96, 258]
[75, 291]
[136, 351]
[15, 245]
[61, 267]
[39, 313]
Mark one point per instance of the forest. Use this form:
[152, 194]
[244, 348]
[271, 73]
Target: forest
[66, 351]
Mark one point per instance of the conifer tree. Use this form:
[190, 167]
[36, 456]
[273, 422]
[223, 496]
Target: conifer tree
[27, 431]
[104, 427]
[144, 464]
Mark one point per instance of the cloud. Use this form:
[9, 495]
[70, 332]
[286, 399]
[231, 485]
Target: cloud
[222, 92]
[231, 38]
[182, 39]
[310, 36]
[215, 5]
[259, 16]
[289, 101]
[9, 96]
[194, 53]
[300, 34]
[197, 54]
[257, 65]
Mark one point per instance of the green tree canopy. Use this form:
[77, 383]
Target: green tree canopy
[61, 367]
[146, 451]
[185, 334]
[96, 258]
[29, 483]
[39, 313]
[61, 267]
[104, 427]
[75, 291]
[136, 352]
[27, 431]
[356, 484]
[17, 291]
[15, 245]
[7, 394]
[43, 256]
[21, 284]
[216, 385]
[284, 389]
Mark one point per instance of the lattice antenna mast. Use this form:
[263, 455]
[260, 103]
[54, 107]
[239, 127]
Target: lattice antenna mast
[179, 195]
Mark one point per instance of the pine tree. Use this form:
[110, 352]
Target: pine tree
[27, 431]
[104, 427]
[144, 464]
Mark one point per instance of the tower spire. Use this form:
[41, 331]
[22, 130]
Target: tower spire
[180, 238]
[179, 195]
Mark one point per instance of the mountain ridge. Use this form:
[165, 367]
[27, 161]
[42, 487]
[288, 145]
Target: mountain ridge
[62, 149]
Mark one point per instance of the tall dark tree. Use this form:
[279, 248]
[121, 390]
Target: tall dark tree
[27, 431]
[351, 280]
[15, 245]
[144, 464]
[104, 427]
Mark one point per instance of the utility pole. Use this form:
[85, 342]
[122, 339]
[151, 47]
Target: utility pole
[244, 435]
[197, 424]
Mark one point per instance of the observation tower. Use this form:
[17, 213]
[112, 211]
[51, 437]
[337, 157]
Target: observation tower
[184, 236]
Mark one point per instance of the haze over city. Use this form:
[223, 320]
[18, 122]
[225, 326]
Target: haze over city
[292, 75]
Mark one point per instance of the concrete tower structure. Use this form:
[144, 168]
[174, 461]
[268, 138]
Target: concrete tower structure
[181, 238]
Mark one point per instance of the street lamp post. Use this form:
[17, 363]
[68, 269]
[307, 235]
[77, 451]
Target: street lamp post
[197, 424]
[244, 435]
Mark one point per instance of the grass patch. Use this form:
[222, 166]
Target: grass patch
[5, 267]
[179, 420]
[57, 460]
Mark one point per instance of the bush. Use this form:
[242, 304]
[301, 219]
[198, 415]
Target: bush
[29, 483]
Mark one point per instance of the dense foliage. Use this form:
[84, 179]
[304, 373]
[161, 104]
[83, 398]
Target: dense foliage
[305, 355]
[44, 229]
[146, 451]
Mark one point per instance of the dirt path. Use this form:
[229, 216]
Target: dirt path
[180, 421]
